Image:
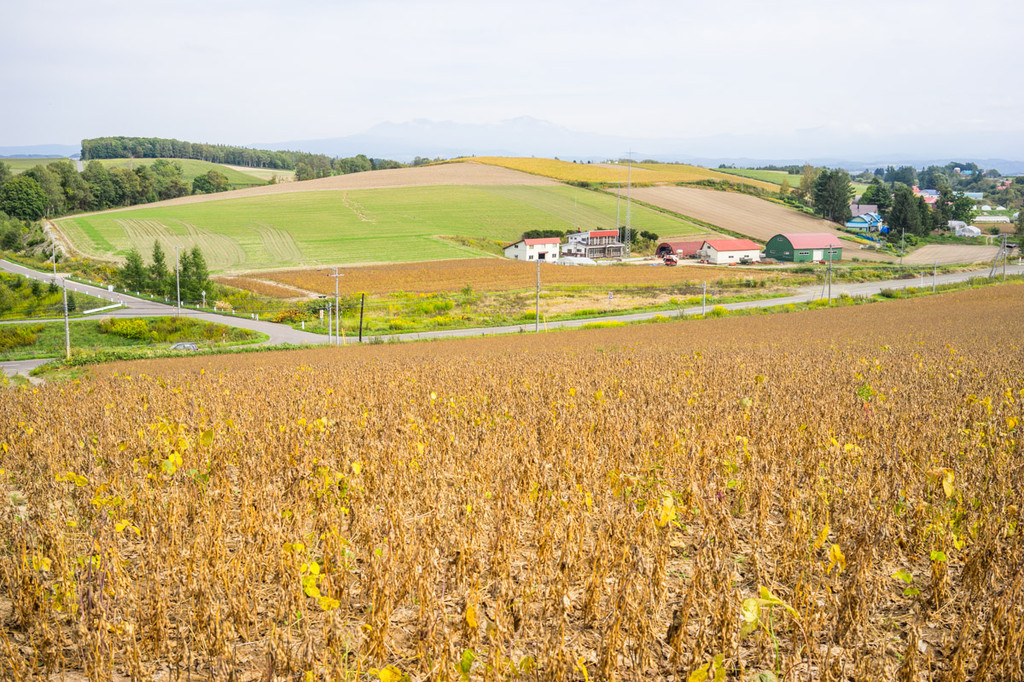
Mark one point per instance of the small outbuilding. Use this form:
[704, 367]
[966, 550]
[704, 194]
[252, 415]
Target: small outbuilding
[730, 251]
[541, 248]
[679, 249]
[804, 248]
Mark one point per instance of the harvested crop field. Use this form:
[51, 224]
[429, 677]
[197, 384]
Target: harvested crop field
[947, 254]
[420, 176]
[743, 214]
[828, 495]
[567, 171]
[493, 274]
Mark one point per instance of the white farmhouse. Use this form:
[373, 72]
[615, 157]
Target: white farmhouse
[541, 248]
[727, 251]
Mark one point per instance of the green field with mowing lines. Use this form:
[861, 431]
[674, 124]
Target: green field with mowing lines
[22, 165]
[191, 169]
[774, 177]
[363, 226]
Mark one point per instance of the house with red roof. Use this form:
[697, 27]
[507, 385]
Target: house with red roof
[730, 251]
[541, 248]
[594, 244]
[804, 248]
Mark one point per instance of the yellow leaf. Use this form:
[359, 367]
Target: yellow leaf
[206, 438]
[836, 558]
[750, 610]
[471, 616]
[822, 537]
[700, 674]
[947, 482]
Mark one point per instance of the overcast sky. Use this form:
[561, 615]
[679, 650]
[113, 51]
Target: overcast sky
[258, 71]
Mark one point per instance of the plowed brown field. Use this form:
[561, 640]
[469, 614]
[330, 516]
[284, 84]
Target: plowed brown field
[744, 214]
[486, 274]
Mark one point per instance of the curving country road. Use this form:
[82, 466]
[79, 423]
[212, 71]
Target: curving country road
[139, 307]
[279, 333]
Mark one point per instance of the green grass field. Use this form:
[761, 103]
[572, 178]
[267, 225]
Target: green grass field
[191, 169]
[774, 177]
[22, 165]
[365, 226]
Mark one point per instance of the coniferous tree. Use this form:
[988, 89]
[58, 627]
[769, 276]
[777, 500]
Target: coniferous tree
[904, 216]
[158, 273]
[134, 275]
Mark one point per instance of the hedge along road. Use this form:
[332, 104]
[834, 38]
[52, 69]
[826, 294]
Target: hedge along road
[279, 333]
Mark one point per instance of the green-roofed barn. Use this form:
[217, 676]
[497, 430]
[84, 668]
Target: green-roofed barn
[804, 248]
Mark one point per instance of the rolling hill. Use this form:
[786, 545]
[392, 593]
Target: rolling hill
[396, 215]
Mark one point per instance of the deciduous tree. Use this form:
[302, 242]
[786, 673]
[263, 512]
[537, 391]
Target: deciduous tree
[22, 197]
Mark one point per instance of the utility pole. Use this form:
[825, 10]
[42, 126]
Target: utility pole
[536, 325]
[67, 327]
[337, 332]
[330, 324]
[704, 300]
[627, 237]
[830, 274]
[362, 303]
[177, 279]
[53, 255]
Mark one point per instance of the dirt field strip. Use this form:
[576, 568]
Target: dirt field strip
[948, 254]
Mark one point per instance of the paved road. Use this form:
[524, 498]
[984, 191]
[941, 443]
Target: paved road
[22, 367]
[139, 307]
[279, 333]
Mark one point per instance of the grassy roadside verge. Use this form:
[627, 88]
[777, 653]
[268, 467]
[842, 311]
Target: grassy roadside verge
[47, 339]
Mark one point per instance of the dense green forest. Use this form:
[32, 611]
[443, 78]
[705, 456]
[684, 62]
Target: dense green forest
[306, 166]
[57, 188]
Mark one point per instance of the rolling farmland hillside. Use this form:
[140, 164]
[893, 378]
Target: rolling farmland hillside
[394, 224]
[743, 214]
[653, 173]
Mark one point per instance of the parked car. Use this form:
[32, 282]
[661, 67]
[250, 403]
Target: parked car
[185, 346]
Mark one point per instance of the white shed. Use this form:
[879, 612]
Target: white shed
[541, 248]
[726, 251]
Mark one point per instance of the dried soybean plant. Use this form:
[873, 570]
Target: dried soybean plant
[825, 495]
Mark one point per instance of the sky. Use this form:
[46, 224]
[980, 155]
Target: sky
[233, 72]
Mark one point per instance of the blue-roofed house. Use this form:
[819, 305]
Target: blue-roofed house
[867, 222]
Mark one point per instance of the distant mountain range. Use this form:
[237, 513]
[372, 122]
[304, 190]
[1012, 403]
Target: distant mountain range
[526, 136]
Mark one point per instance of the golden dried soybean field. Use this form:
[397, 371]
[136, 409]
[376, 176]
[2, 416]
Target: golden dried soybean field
[829, 495]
